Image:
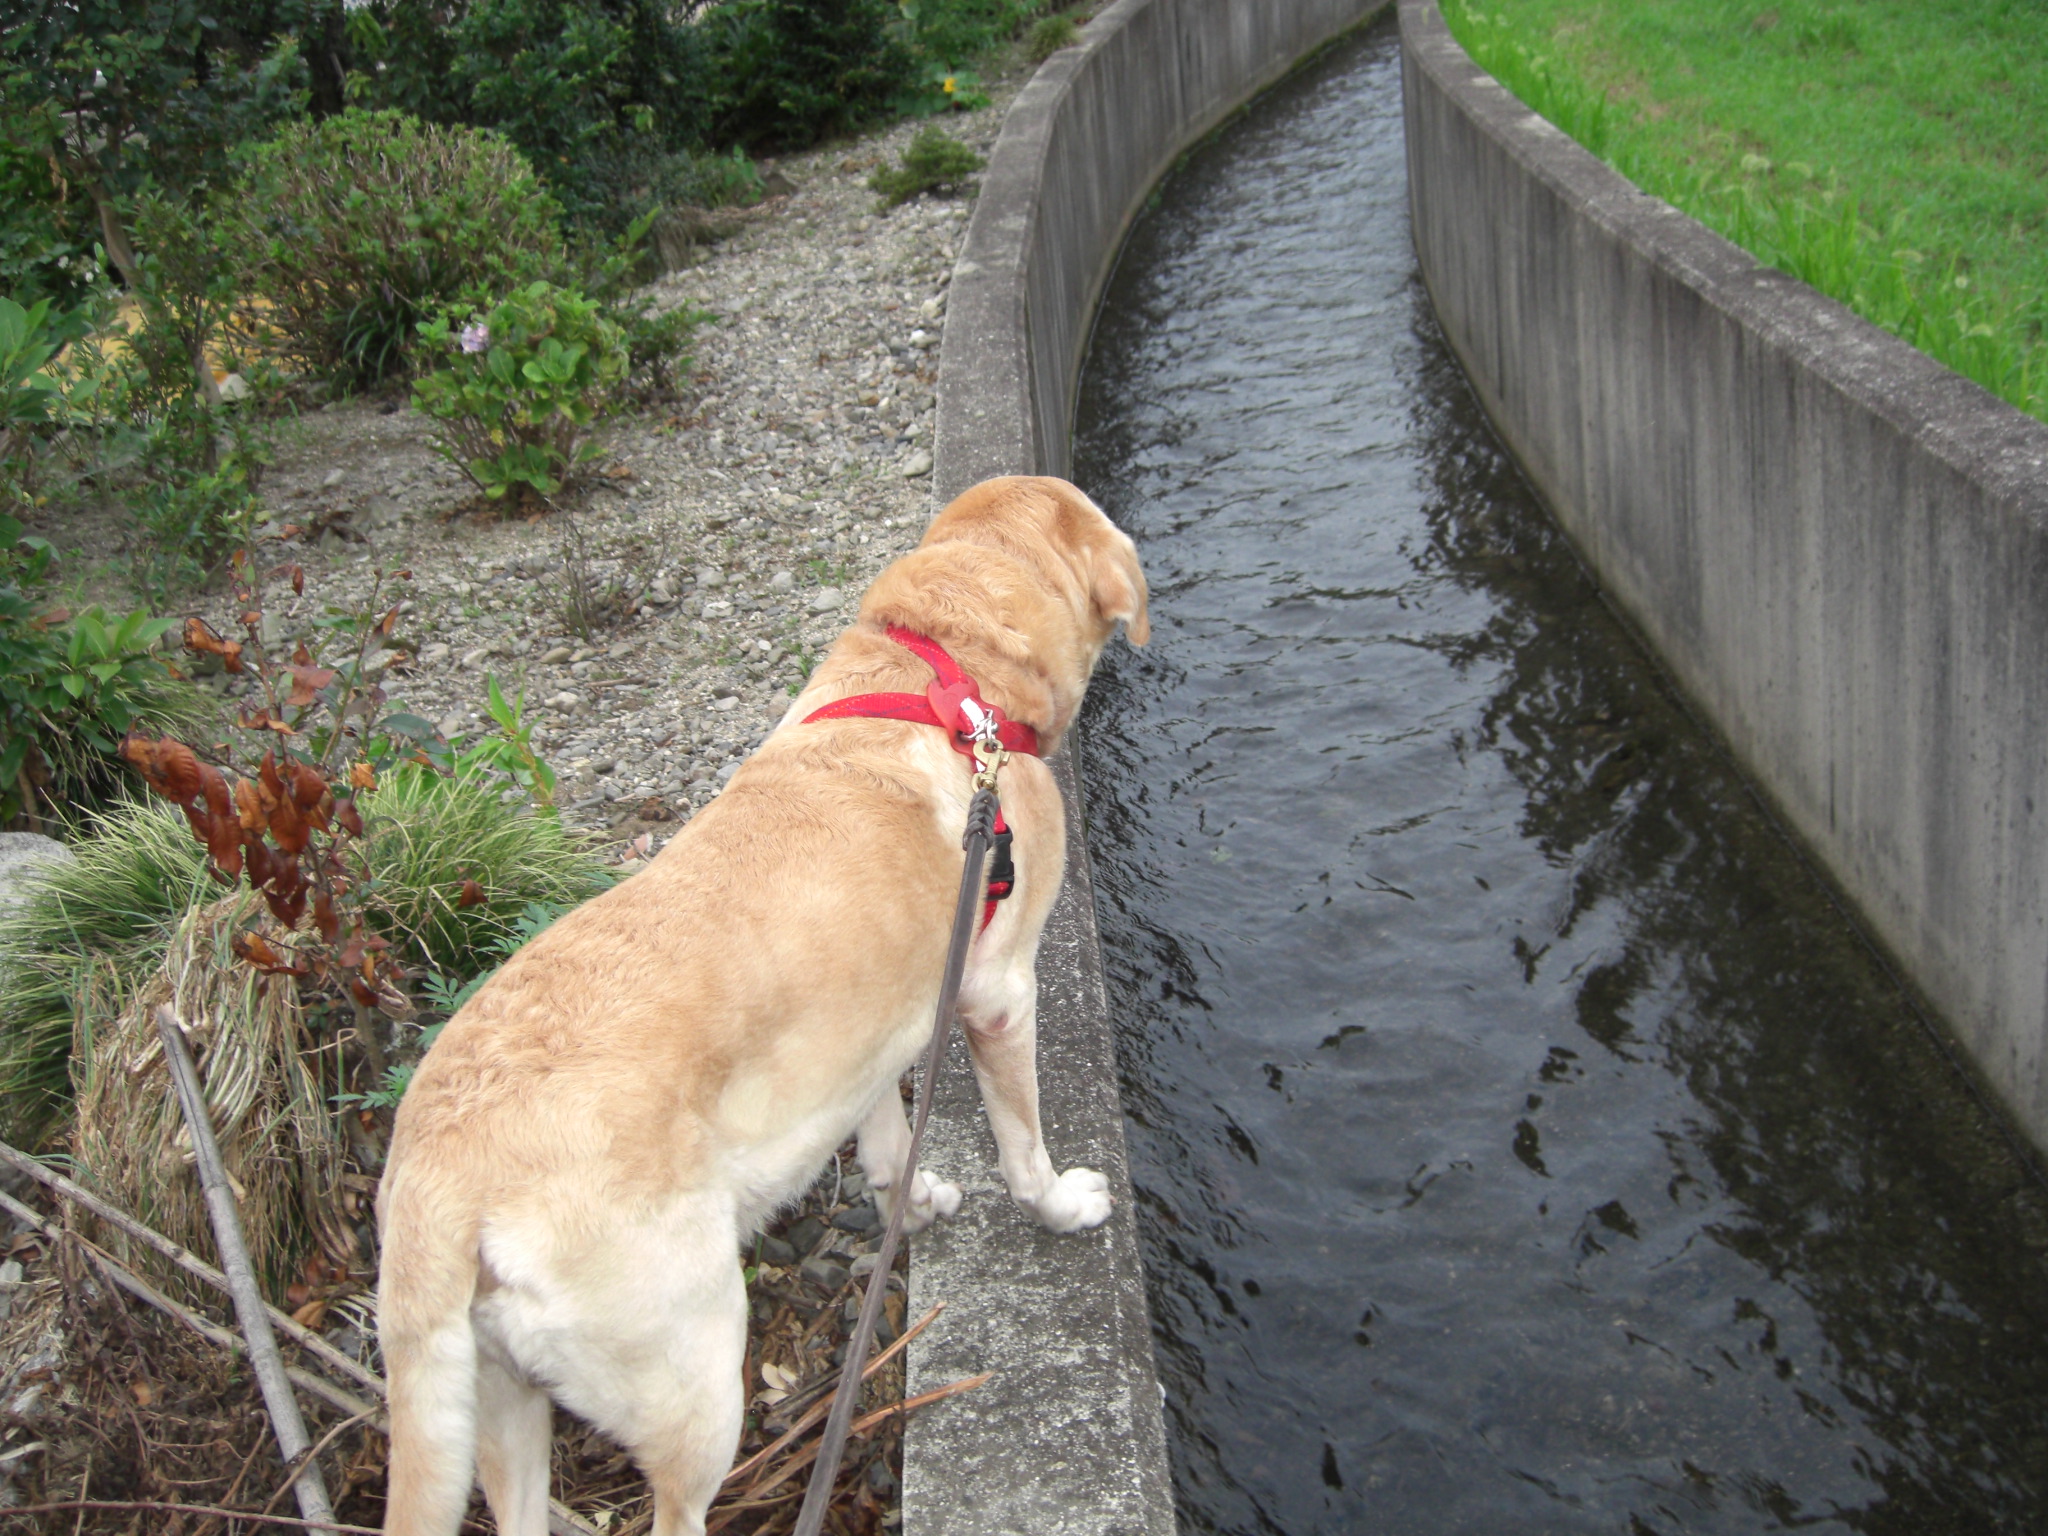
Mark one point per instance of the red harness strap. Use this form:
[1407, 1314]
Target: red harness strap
[954, 703]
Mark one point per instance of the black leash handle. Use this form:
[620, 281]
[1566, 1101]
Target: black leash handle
[981, 821]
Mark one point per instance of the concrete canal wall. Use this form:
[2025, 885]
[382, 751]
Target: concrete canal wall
[1838, 546]
[1067, 1439]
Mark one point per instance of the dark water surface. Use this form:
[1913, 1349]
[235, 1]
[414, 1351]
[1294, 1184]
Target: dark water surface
[1524, 1142]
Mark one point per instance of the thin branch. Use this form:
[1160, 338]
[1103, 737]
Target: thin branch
[861, 1426]
[309, 1457]
[819, 1409]
[142, 1290]
[290, 1428]
[152, 1507]
[186, 1260]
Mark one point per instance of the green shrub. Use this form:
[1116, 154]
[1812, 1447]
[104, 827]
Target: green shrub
[790, 72]
[946, 35]
[520, 387]
[360, 227]
[70, 687]
[933, 161]
[34, 398]
[46, 239]
[95, 929]
[1050, 35]
[428, 833]
[583, 89]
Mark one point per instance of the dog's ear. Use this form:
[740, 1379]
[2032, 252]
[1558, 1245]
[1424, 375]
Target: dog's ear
[1118, 586]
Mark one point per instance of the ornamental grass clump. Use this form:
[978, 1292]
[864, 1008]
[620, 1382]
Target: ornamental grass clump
[92, 936]
[1049, 35]
[521, 388]
[933, 162]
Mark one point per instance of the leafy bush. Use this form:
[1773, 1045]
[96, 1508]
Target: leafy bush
[932, 161]
[939, 87]
[92, 931]
[116, 95]
[955, 31]
[1050, 35]
[521, 387]
[583, 89]
[70, 687]
[32, 396]
[360, 227]
[790, 72]
[46, 238]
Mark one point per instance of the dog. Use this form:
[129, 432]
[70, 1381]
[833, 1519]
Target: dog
[594, 1135]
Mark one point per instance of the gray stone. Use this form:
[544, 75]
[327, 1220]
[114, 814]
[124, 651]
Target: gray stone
[433, 655]
[824, 1274]
[333, 478]
[826, 599]
[555, 656]
[782, 581]
[25, 858]
[918, 465]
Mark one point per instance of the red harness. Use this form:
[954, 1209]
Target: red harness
[954, 703]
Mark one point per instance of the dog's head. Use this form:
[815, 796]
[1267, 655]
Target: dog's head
[1029, 569]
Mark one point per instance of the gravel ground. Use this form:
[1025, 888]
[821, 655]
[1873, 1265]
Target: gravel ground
[748, 515]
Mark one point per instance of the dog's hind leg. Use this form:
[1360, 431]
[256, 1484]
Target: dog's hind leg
[650, 1349]
[514, 1435]
[884, 1143]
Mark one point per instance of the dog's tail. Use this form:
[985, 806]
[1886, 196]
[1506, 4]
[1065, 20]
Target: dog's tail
[427, 1283]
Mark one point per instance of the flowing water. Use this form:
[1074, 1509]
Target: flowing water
[1524, 1141]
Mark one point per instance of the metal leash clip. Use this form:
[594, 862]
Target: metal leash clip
[989, 758]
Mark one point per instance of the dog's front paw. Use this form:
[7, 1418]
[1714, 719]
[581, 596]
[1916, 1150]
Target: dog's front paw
[1079, 1199]
[929, 1200]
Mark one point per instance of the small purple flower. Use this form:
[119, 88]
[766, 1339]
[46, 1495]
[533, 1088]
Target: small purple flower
[475, 338]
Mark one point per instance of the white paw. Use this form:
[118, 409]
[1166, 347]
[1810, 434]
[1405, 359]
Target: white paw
[929, 1200]
[1078, 1200]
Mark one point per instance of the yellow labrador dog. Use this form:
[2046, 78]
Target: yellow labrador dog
[592, 1138]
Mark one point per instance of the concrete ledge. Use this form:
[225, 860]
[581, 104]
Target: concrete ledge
[1068, 1437]
[1838, 546]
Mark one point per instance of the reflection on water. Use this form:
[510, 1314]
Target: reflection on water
[1524, 1143]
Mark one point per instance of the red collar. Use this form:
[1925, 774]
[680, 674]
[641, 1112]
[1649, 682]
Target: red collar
[953, 702]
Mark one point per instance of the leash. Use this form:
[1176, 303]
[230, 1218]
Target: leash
[983, 815]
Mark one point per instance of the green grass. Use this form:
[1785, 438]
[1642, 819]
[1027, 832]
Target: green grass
[1891, 153]
[96, 929]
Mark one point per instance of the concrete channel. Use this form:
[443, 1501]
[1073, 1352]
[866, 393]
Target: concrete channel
[1068, 1436]
[1838, 548]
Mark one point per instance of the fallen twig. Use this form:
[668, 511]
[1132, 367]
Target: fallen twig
[818, 1409]
[186, 1260]
[152, 1507]
[761, 1495]
[311, 1456]
[290, 1428]
[118, 1274]
[861, 1426]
